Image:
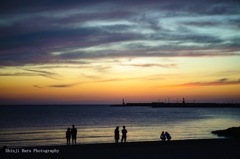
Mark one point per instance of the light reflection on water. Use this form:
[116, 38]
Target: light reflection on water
[46, 125]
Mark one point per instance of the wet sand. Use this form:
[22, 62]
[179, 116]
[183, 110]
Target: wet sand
[181, 149]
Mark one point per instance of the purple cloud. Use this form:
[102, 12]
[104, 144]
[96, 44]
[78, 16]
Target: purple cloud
[63, 85]
[221, 82]
[32, 31]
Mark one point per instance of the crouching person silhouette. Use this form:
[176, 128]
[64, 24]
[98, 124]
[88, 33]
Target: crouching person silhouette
[162, 136]
[168, 136]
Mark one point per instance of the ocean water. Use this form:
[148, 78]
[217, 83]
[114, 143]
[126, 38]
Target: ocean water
[46, 125]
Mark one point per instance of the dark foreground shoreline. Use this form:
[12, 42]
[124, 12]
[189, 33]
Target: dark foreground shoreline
[178, 149]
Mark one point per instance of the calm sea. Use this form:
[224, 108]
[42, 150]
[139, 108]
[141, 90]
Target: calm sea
[46, 125]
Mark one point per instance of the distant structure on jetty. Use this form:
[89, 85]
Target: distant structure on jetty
[172, 105]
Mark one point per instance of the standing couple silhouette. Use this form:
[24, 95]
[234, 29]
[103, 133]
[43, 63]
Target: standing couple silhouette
[71, 133]
[124, 134]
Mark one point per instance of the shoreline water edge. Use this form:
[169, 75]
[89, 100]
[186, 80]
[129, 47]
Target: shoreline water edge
[46, 125]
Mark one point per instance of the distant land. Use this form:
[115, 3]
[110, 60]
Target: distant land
[172, 105]
[182, 104]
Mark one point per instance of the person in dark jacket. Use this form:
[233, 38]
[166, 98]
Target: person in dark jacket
[116, 134]
[74, 134]
[124, 134]
[68, 136]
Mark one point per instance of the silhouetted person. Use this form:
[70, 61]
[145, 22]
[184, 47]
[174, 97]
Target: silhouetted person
[74, 134]
[124, 134]
[162, 136]
[168, 136]
[116, 134]
[68, 136]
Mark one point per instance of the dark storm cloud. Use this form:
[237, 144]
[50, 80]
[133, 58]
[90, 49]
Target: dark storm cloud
[202, 7]
[202, 24]
[190, 37]
[235, 22]
[30, 32]
[58, 39]
[44, 37]
[29, 6]
[42, 22]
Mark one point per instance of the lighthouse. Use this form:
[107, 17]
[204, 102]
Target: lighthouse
[183, 101]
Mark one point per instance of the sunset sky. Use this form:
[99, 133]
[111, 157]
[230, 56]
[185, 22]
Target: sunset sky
[101, 51]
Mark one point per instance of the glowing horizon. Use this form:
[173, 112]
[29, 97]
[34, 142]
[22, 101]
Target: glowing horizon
[101, 52]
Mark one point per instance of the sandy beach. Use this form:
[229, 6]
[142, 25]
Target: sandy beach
[181, 149]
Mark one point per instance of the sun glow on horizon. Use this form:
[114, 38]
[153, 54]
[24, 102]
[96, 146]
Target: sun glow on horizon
[87, 53]
[140, 79]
